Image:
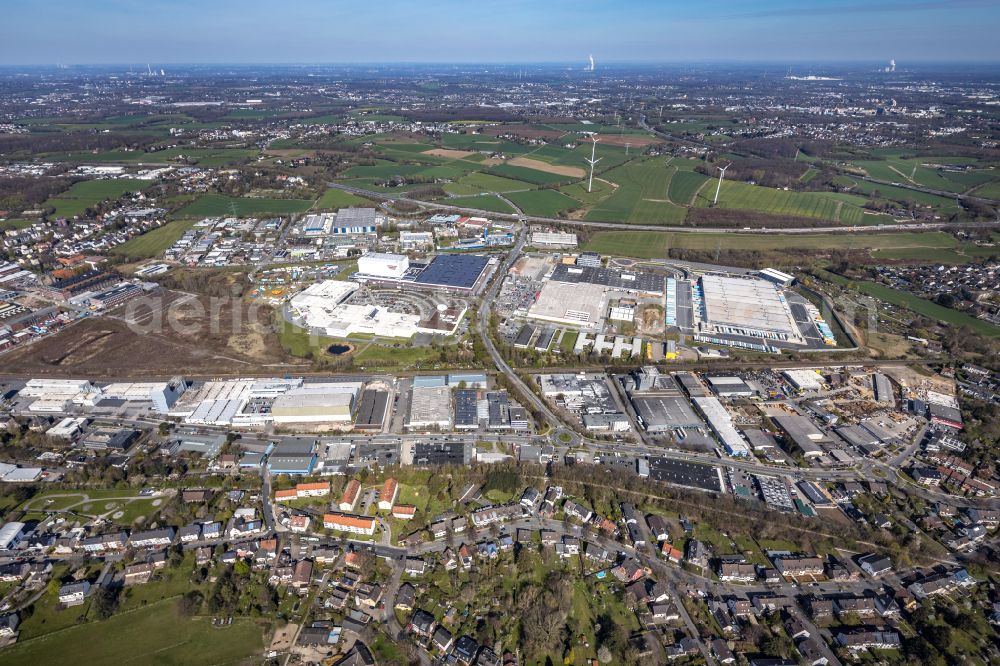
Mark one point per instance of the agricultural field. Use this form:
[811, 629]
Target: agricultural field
[655, 244]
[478, 183]
[900, 194]
[530, 175]
[641, 196]
[544, 203]
[89, 193]
[487, 202]
[601, 190]
[334, 198]
[684, 185]
[638, 244]
[208, 157]
[988, 191]
[930, 172]
[217, 205]
[742, 196]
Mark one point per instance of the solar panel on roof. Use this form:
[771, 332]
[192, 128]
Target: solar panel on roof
[454, 270]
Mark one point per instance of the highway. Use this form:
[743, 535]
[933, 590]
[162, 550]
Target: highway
[840, 229]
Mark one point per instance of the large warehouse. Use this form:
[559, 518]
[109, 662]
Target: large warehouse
[322, 308]
[635, 282]
[746, 307]
[430, 407]
[463, 273]
[300, 406]
[381, 265]
[580, 305]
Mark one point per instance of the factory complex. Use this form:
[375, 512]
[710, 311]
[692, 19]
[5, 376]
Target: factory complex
[458, 273]
[327, 309]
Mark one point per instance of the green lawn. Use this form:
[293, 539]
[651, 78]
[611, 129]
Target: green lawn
[217, 205]
[154, 242]
[154, 634]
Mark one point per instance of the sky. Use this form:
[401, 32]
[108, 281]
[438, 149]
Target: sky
[165, 32]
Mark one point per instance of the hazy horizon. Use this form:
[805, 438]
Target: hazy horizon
[183, 32]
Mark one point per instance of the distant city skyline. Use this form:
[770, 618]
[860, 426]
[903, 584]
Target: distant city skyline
[168, 32]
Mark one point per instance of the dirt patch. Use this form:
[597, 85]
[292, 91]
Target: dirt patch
[651, 322]
[634, 140]
[491, 161]
[198, 337]
[449, 153]
[538, 165]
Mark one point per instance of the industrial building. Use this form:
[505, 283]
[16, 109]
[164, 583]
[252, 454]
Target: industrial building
[743, 306]
[430, 407]
[730, 387]
[660, 405]
[777, 277]
[803, 433]
[162, 395]
[382, 265]
[570, 304]
[312, 406]
[292, 457]
[804, 379]
[721, 422]
[461, 273]
[553, 239]
[632, 282]
[882, 388]
[372, 409]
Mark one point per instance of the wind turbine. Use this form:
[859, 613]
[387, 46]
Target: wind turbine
[592, 162]
[722, 174]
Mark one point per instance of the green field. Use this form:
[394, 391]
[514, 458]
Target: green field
[929, 172]
[16, 224]
[600, 190]
[486, 202]
[641, 197]
[638, 244]
[989, 191]
[893, 193]
[217, 205]
[154, 634]
[208, 157]
[529, 175]
[334, 198]
[89, 193]
[919, 305]
[647, 244]
[742, 196]
[478, 183]
[684, 185]
[154, 242]
[544, 203]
